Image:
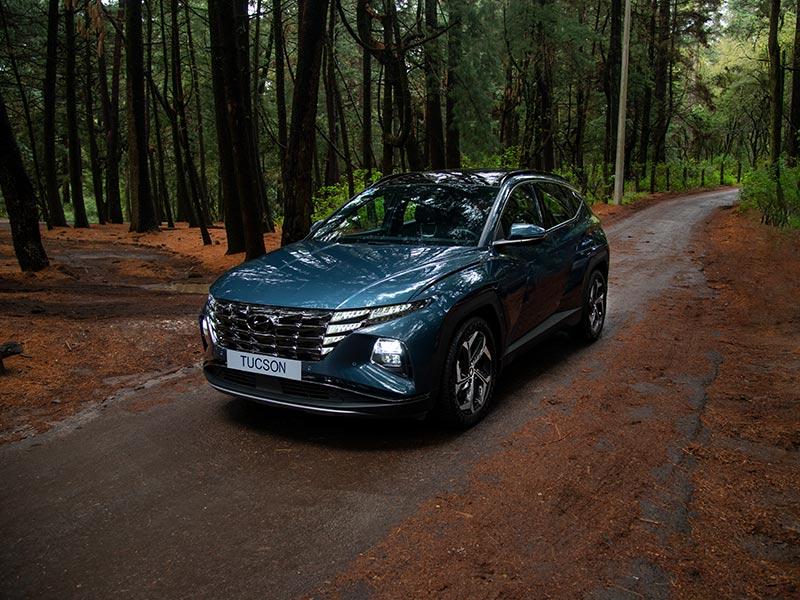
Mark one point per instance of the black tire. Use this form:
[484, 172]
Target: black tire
[590, 327]
[451, 408]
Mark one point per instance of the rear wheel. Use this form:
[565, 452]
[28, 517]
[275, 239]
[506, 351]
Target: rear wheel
[593, 315]
[469, 375]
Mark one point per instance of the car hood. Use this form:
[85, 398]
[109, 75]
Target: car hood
[312, 274]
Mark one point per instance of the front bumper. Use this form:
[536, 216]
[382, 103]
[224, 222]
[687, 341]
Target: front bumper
[311, 396]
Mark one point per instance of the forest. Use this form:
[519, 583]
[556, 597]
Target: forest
[265, 115]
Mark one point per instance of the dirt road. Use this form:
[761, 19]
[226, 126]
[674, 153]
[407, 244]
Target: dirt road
[176, 490]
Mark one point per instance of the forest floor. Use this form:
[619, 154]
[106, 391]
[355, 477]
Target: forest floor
[662, 461]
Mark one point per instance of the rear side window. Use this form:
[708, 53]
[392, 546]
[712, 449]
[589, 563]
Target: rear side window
[559, 203]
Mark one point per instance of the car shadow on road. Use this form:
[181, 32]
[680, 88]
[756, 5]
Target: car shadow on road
[512, 408]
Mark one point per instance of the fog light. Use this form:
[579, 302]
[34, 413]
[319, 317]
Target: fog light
[389, 353]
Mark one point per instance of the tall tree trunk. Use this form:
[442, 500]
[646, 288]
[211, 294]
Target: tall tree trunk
[231, 22]
[434, 130]
[75, 161]
[660, 95]
[20, 200]
[201, 142]
[184, 211]
[644, 139]
[611, 81]
[231, 209]
[113, 198]
[94, 152]
[143, 213]
[364, 25]
[280, 87]
[780, 215]
[792, 143]
[332, 173]
[348, 160]
[197, 214]
[453, 139]
[54, 206]
[297, 218]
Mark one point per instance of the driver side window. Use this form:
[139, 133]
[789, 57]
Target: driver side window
[521, 207]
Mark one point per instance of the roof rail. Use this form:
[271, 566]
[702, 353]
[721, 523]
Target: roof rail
[531, 172]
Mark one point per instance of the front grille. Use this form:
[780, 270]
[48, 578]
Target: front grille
[284, 332]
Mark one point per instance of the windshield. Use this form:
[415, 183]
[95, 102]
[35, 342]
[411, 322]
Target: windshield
[411, 214]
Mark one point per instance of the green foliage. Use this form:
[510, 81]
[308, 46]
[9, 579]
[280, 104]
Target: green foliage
[759, 191]
[507, 159]
[331, 197]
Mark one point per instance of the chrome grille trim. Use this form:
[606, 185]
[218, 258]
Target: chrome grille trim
[285, 332]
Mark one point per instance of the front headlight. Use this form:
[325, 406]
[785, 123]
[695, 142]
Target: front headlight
[346, 321]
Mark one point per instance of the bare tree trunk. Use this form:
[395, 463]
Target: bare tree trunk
[55, 208]
[434, 130]
[113, 199]
[20, 200]
[143, 213]
[231, 209]
[231, 20]
[280, 87]
[644, 138]
[792, 143]
[453, 140]
[332, 173]
[94, 152]
[661, 74]
[364, 24]
[297, 218]
[201, 143]
[779, 216]
[75, 162]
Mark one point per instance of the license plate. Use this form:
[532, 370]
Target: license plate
[266, 365]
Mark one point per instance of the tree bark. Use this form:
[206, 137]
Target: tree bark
[280, 87]
[660, 92]
[20, 200]
[332, 173]
[143, 213]
[434, 130]
[364, 26]
[780, 215]
[644, 139]
[792, 143]
[113, 198]
[201, 142]
[453, 139]
[231, 24]
[297, 217]
[54, 206]
[74, 141]
[94, 152]
[231, 208]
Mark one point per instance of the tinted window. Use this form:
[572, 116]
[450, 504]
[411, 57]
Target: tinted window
[558, 201]
[412, 213]
[521, 207]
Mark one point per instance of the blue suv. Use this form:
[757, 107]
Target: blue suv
[411, 297]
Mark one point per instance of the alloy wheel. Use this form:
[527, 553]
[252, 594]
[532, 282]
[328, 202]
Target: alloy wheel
[473, 373]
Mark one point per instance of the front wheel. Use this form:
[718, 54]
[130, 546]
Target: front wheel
[469, 375]
[593, 315]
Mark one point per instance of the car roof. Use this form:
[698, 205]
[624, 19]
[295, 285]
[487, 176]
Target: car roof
[460, 177]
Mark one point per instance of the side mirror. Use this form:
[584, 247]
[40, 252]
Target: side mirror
[523, 233]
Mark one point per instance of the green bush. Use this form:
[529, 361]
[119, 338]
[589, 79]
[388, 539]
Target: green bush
[760, 191]
[330, 197]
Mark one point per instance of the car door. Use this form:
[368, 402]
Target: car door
[564, 232]
[529, 271]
